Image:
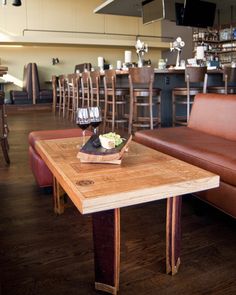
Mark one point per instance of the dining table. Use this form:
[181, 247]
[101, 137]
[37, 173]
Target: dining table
[102, 189]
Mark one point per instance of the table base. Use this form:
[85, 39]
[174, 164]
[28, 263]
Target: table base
[106, 239]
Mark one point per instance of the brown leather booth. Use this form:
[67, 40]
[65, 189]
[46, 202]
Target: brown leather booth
[31, 92]
[24, 96]
[208, 141]
[82, 67]
[39, 95]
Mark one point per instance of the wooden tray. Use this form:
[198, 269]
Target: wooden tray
[91, 154]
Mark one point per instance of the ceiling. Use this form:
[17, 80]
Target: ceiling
[133, 7]
[120, 7]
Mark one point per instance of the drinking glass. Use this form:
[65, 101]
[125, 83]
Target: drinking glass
[83, 120]
[95, 114]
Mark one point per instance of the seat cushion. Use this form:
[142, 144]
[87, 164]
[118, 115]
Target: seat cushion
[54, 134]
[209, 152]
[18, 94]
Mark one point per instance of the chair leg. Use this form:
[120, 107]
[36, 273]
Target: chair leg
[4, 145]
[131, 110]
[173, 109]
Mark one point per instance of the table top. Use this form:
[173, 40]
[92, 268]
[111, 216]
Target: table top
[145, 175]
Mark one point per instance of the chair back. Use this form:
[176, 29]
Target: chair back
[85, 87]
[2, 128]
[141, 76]
[95, 79]
[196, 75]
[62, 86]
[82, 67]
[109, 80]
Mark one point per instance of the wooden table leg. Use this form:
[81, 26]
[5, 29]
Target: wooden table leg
[106, 237]
[59, 197]
[173, 234]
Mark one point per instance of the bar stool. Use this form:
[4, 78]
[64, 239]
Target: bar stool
[185, 95]
[229, 76]
[4, 129]
[70, 96]
[142, 99]
[55, 93]
[62, 94]
[85, 88]
[96, 92]
[77, 93]
[115, 102]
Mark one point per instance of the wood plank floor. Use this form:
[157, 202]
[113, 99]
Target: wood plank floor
[45, 254]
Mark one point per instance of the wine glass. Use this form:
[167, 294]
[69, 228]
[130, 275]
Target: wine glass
[95, 114]
[83, 120]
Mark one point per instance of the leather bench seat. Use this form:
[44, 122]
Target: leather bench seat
[209, 152]
[42, 174]
[208, 141]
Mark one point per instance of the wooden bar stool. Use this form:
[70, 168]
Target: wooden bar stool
[62, 94]
[185, 95]
[4, 129]
[70, 96]
[85, 88]
[115, 102]
[229, 76]
[96, 91]
[55, 94]
[142, 99]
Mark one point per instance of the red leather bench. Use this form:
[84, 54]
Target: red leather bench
[209, 142]
[42, 174]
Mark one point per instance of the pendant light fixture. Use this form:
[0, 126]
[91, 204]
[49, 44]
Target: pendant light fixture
[14, 2]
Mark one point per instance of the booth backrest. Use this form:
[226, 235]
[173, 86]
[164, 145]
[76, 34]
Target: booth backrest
[27, 80]
[214, 114]
[81, 67]
[35, 80]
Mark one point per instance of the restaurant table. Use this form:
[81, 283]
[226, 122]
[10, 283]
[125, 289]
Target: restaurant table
[144, 175]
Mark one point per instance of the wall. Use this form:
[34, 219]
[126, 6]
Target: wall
[16, 57]
[186, 33]
[56, 28]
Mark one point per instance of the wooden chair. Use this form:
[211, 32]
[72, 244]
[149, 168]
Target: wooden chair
[115, 102]
[142, 100]
[4, 129]
[77, 93]
[62, 94]
[229, 76]
[96, 91]
[55, 93]
[185, 95]
[85, 88]
[70, 98]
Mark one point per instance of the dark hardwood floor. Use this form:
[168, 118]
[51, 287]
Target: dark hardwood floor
[45, 254]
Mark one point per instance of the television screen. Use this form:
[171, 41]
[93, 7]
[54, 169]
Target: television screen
[195, 13]
[153, 10]
[179, 12]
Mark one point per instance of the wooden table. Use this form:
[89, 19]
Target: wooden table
[101, 189]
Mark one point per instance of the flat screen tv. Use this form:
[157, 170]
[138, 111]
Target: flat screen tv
[195, 13]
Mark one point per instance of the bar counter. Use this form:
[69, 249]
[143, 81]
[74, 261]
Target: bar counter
[167, 80]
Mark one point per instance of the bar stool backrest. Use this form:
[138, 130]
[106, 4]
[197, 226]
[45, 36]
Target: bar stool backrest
[109, 79]
[85, 87]
[95, 79]
[196, 75]
[144, 75]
